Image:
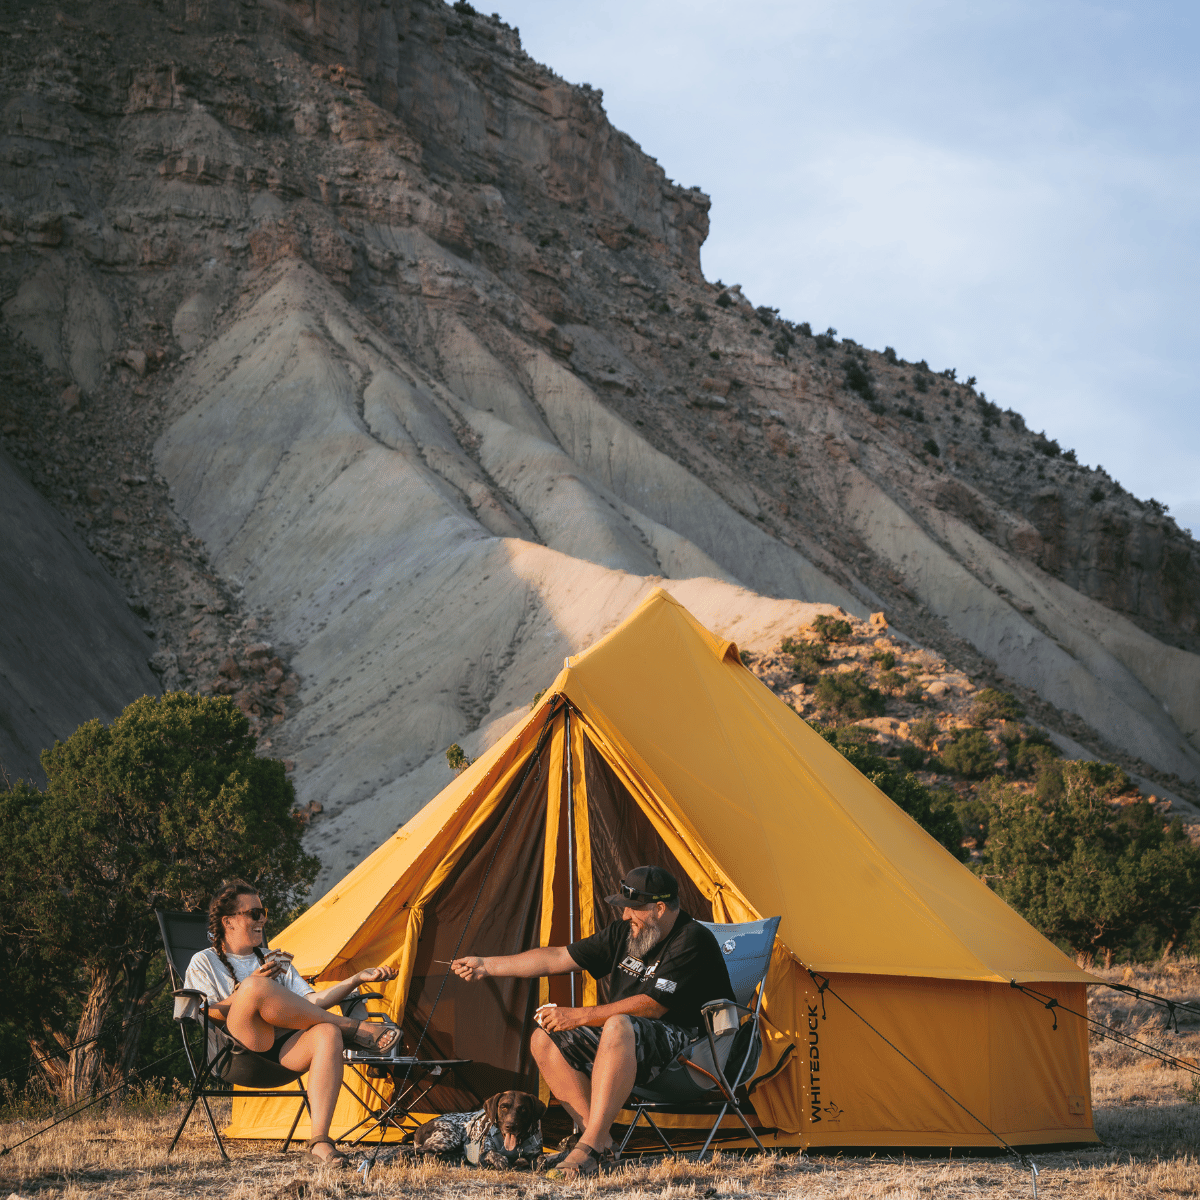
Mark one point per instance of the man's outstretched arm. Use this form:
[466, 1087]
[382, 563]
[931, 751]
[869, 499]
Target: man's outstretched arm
[529, 964]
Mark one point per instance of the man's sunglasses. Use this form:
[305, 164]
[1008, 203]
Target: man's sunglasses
[255, 914]
[631, 893]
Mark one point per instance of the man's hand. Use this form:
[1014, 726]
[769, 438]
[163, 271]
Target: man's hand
[558, 1020]
[470, 968]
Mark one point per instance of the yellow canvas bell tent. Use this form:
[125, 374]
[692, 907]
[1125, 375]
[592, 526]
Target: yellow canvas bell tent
[658, 746]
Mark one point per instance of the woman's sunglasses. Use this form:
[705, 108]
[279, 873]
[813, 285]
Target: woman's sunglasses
[255, 914]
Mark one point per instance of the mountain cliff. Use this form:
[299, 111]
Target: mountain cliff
[381, 371]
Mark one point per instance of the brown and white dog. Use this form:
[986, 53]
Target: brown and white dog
[506, 1133]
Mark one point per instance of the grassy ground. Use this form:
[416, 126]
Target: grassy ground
[1149, 1120]
[1148, 1116]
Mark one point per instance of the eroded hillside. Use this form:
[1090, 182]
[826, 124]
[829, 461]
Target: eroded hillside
[380, 370]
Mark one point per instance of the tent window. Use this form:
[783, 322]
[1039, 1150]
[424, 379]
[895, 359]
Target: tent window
[623, 838]
[488, 1022]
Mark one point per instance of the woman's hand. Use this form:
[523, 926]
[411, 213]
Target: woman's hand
[271, 969]
[377, 975]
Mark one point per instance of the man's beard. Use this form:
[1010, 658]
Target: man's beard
[643, 940]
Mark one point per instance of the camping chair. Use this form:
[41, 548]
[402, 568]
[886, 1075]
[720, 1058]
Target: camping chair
[710, 1077]
[222, 1061]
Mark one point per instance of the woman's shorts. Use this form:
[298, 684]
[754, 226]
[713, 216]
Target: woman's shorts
[656, 1044]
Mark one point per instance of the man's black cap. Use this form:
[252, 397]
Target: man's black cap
[644, 886]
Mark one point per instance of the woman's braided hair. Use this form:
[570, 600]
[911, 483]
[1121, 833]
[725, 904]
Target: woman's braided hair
[225, 904]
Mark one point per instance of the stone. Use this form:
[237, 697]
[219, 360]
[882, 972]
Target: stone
[120, 516]
[274, 677]
[136, 360]
[230, 669]
[95, 494]
[72, 398]
[879, 620]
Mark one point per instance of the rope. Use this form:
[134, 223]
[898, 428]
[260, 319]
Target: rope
[824, 987]
[1173, 1007]
[95, 1100]
[535, 757]
[1111, 1032]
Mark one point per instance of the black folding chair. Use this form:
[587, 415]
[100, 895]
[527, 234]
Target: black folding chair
[221, 1060]
[711, 1077]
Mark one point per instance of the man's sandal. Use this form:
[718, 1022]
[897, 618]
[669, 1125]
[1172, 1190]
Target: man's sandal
[382, 1042]
[336, 1159]
[590, 1165]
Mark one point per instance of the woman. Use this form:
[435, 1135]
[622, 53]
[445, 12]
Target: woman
[271, 1010]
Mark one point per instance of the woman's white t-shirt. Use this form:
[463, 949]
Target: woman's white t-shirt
[206, 973]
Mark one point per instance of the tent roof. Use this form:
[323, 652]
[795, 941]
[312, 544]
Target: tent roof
[860, 886]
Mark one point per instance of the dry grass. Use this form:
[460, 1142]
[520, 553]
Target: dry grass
[1148, 1116]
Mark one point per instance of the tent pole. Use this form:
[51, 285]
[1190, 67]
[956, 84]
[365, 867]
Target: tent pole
[570, 847]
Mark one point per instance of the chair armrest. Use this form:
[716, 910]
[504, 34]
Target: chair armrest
[191, 1004]
[366, 996]
[717, 1005]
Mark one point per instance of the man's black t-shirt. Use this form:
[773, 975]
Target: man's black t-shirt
[682, 971]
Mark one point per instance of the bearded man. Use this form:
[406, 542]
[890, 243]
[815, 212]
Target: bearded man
[661, 966]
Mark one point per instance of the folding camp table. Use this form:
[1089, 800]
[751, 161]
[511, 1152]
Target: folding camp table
[412, 1080]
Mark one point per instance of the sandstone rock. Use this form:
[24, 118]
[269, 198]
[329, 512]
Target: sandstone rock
[95, 495]
[274, 677]
[879, 620]
[230, 669]
[120, 516]
[72, 398]
[136, 360]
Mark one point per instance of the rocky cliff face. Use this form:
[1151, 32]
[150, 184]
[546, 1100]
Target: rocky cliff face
[435, 391]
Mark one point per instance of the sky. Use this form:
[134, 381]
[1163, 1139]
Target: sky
[1006, 188]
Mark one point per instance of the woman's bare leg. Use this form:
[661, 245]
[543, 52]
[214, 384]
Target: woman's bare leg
[260, 1006]
[318, 1051]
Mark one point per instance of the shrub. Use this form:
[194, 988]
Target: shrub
[994, 705]
[1096, 495]
[924, 731]
[456, 759]
[885, 658]
[848, 694]
[831, 629]
[1047, 446]
[858, 379]
[826, 340]
[807, 658]
[891, 681]
[912, 757]
[914, 693]
[889, 354]
[920, 383]
[971, 754]
[1028, 758]
[1086, 872]
[932, 447]
[715, 354]
[723, 300]
[805, 328]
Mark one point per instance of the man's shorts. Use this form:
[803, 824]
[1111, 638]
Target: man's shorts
[656, 1045]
